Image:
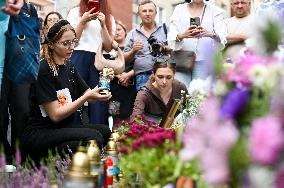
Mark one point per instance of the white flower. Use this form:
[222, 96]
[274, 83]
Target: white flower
[261, 177]
[267, 12]
[220, 88]
[199, 86]
[266, 77]
[259, 75]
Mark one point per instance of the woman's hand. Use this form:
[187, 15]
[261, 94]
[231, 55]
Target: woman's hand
[88, 16]
[191, 32]
[102, 18]
[124, 78]
[98, 94]
[13, 7]
[110, 73]
[205, 33]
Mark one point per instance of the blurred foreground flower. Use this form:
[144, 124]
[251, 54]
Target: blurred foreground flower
[208, 138]
[234, 102]
[266, 140]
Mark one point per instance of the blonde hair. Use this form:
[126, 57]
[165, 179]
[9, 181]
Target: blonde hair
[48, 50]
[118, 22]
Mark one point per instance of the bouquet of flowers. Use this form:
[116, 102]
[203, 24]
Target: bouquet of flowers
[150, 153]
[197, 93]
[238, 134]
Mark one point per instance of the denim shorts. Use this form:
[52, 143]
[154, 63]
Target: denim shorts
[141, 79]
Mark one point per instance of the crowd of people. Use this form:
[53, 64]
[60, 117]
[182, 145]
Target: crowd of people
[47, 114]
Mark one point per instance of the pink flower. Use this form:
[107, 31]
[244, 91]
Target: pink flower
[216, 170]
[208, 138]
[123, 150]
[241, 73]
[266, 140]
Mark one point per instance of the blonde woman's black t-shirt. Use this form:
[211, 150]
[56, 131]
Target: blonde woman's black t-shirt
[67, 86]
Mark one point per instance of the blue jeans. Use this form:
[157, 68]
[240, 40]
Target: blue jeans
[141, 80]
[200, 70]
[84, 63]
[3, 29]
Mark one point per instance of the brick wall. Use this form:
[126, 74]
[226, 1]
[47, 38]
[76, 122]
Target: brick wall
[122, 10]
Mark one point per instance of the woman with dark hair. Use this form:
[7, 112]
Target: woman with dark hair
[155, 97]
[49, 20]
[57, 95]
[202, 24]
[92, 29]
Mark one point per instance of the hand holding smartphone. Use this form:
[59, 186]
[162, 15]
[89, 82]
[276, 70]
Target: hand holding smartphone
[195, 21]
[94, 4]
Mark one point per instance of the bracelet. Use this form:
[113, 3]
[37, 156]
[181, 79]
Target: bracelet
[178, 39]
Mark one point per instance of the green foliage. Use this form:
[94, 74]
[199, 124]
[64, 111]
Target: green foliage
[257, 106]
[239, 161]
[271, 36]
[157, 166]
[218, 64]
[123, 128]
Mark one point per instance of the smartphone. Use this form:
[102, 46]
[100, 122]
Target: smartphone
[92, 4]
[195, 21]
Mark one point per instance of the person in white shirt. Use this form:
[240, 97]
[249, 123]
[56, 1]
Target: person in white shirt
[184, 36]
[92, 29]
[240, 28]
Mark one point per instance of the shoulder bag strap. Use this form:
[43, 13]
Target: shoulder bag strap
[165, 30]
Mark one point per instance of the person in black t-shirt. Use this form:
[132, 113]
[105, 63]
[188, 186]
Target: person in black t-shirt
[56, 97]
[120, 107]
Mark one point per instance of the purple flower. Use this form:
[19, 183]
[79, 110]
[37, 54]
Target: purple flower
[18, 156]
[266, 139]
[234, 102]
[2, 160]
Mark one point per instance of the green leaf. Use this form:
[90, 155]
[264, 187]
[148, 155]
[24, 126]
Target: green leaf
[271, 36]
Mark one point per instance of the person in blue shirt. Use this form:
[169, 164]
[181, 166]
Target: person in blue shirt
[7, 8]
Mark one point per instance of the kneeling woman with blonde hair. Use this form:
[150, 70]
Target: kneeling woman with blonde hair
[56, 96]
